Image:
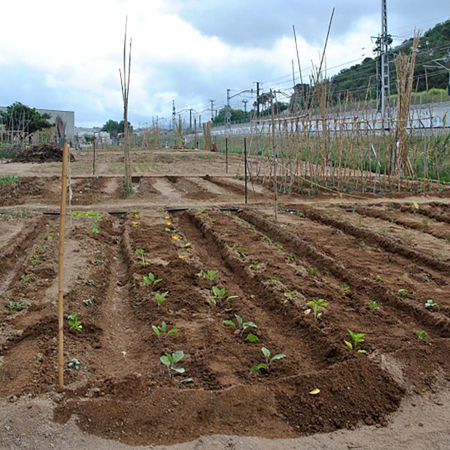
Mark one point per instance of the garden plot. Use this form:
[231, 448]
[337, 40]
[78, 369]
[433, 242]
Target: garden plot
[220, 287]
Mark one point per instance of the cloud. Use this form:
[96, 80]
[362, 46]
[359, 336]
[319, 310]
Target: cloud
[67, 55]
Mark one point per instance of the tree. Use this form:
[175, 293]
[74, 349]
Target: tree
[19, 117]
[114, 128]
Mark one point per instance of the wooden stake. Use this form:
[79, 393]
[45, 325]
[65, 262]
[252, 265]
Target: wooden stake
[62, 221]
[245, 165]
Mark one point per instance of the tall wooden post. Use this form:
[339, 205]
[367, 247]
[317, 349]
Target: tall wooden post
[245, 168]
[62, 223]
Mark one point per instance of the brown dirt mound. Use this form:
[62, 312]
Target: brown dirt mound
[41, 153]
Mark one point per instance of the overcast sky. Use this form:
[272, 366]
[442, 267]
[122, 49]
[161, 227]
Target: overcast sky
[66, 54]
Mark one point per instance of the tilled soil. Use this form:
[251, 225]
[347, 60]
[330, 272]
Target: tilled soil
[123, 392]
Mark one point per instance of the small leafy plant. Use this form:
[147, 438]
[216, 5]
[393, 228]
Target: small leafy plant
[242, 251]
[170, 360]
[431, 305]
[98, 261]
[403, 293]
[74, 363]
[141, 253]
[311, 271]
[74, 323]
[41, 248]
[242, 327]
[264, 239]
[35, 260]
[26, 277]
[15, 306]
[290, 257]
[88, 302]
[290, 295]
[357, 338]
[421, 335]
[151, 280]
[161, 298]
[344, 288]
[163, 331]
[95, 227]
[373, 306]
[220, 296]
[264, 368]
[317, 305]
[89, 282]
[255, 264]
[209, 275]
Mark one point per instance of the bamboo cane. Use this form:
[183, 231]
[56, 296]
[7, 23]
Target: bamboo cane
[62, 222]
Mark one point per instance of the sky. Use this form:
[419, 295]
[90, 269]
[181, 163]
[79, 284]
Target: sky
[65, 55]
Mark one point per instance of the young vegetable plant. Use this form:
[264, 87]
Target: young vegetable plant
[290, 295]
[88, 302]
[161, 298]
[344, 288]
[242, 327]
[317, 305]
[74, 363]
[95, 227]
[357, 338]
[163, 331]
[26, 277]
[264, 368]
[311, 271]
[421, 335]
[15, 306]
[373, 306]
[403, 293]
[220, 296]
[74, 323]
[35, 260]
[431, 305]
[242, 252]
[255, 264]
[290, 257]
[170, 359]
[141, 253]
[151, 280]
[209, 275]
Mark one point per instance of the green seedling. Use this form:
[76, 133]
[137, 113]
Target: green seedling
[264, 239]
[273, 280]
[311, 271]
[95, 227]
[378, 278]
[161, 298]
[163, 331]
[209, 275]
[255, 264]
[439, 256]
[290, 295]
[317, 305]
[383, 232]
[242, 327]
[242, 252]
[425, 221]
[373, 306]
[421, 335]
[357, 338]
[431, 305]
[41, 248]
[264, 368]
[74, 323]
[88, 302]
[74, 364]
[27, 277]
[151, 280]
[54, 225]
[363, 246]
[220, 296]
[290, 257]
[170, 359]
[35, 260]
[15, 306]
[278, 246]
[141, 253]
[98, 261]
[50, 236]
[344, 288]
[403, 293]
[89, 282]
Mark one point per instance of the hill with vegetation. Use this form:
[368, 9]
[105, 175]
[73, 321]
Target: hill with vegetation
[359, 80]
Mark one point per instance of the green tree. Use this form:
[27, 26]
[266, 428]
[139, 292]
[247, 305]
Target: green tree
[114, 128]
[20, 117]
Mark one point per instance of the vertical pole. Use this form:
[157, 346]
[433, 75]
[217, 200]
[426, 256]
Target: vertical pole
[62, 222]
[257, 99]
[93, 159]
[226, 154]
[275, 157]
[245, 168]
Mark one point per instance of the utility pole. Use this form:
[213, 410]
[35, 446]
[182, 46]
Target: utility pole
[190, 120]
[174, 116]
[212, 110]
[228, 111]
[385, 42]
[257, 99]
[245, 108]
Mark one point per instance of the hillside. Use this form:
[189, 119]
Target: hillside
[360, 79]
